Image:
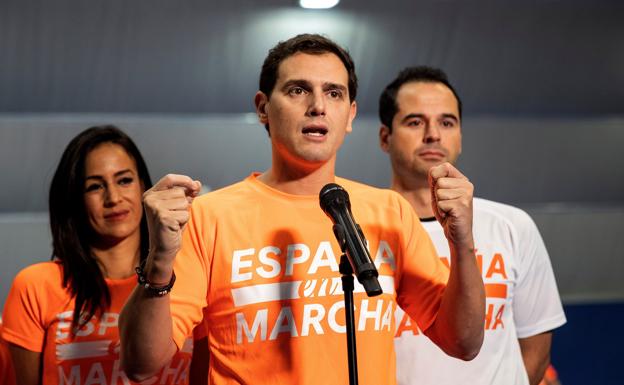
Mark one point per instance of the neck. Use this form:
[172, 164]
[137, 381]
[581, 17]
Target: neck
[300, 179]
[416, 191]
[117, 260]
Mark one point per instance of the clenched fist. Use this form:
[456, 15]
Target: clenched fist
[451, 200]
[167, 211]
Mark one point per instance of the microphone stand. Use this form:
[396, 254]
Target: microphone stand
[355, 257]
[347, 287]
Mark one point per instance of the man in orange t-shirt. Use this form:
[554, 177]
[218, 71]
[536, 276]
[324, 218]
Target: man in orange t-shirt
[258, 262]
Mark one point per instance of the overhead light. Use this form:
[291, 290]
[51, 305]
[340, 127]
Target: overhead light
[318, 4]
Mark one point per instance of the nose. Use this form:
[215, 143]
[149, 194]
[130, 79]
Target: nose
[113, 196]
[317, 104]
[432, 133]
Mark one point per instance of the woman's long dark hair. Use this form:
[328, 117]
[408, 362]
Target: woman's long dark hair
[71, 232]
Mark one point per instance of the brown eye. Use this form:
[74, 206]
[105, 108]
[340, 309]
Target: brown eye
[93, 187]
[126, 181]
[296, 91]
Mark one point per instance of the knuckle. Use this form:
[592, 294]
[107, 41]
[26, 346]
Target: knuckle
[163, 216]
[168, 179]
[148, 200]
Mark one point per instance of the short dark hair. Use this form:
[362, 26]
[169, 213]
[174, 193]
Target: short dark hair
[387, 101]
[313, 44]
[71, 233]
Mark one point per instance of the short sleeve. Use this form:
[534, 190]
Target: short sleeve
[536, 303]
[191, 266]
[423, 276]
[23, 318]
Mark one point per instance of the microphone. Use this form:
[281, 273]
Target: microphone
[335, 203]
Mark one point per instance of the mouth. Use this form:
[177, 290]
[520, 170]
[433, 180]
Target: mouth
[430, 153]
[116, 215]
[317, 131]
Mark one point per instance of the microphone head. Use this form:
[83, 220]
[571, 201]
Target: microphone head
[333, 194]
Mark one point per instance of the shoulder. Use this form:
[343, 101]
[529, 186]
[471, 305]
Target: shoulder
[223, 197]
[370, 194]
[499, 212]
[40, 275]
[37, 287]
[225, 192]
[380, 206]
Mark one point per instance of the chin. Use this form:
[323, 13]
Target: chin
[120, 233]
[316, 156]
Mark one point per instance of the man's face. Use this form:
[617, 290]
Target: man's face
[309, 112]
[426, 129]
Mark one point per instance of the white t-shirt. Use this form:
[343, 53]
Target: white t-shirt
[521, 301]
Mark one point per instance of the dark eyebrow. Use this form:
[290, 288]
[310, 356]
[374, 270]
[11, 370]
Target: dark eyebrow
[297, 82]
[118, 173]
[412, 116]
[334, 86]
[422, 116]
[306, 85]
[451, 116]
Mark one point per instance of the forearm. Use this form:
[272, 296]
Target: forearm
[536, 355]
[145, 327]
[458, 327]
[145, 323]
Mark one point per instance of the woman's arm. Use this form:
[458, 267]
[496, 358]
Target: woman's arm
[27, 365]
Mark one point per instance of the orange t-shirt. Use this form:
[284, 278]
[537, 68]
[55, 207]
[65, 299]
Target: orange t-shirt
[7, 375]
[37, 316]
[260, 267]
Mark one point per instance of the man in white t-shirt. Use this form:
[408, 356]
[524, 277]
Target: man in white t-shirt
[420, 114]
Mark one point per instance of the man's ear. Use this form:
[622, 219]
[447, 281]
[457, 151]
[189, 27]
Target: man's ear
[261, 100]
[384, 137]
[352, 113]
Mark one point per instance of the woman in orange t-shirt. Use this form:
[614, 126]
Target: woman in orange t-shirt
[60, 317]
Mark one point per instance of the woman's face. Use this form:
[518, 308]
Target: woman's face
[112, 193]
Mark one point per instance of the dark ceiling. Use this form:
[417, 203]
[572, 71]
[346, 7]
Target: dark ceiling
[511, 58]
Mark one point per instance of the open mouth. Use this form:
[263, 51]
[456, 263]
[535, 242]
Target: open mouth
[315, 131]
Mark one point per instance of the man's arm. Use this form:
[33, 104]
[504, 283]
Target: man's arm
[145, 323]
[537, 308]
[536, 355]
[458, 327]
